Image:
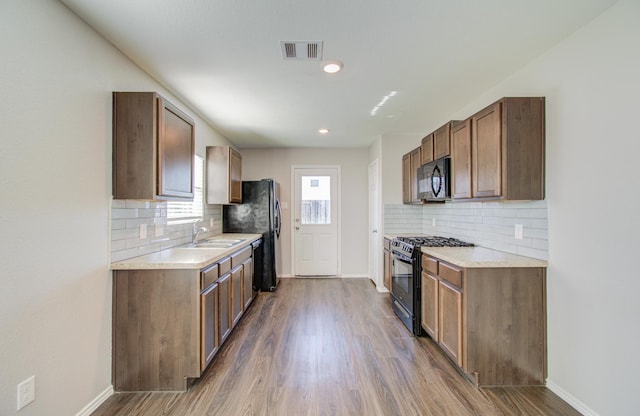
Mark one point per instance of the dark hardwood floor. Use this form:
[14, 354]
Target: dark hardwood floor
[332, 347]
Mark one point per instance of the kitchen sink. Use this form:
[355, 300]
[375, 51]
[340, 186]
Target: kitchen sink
[216, 243]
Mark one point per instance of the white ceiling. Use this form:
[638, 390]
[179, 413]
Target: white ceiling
[223, 57]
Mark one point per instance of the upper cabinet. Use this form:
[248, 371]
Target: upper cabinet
[437, 145]
[153, 148]
[410, 164]
[507, 150]
[461, 159]
[224, 175]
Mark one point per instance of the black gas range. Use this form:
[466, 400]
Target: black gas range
[405, 275]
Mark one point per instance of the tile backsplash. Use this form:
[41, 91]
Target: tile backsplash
[488, 224]
[128, 215]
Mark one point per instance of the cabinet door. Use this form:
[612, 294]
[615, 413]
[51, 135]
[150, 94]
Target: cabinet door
[487, 151]
[235, 176]
[210, 337]
[461, 159]
[450, 322]
[224, 304]
[442, 142]
[236, 295]
[416, 160]
[429, 305]
[247, 284]
[176, 148]
[387, 269]
[406, 179]
[427, 149]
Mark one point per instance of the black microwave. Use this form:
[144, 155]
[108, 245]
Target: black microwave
[434, 180]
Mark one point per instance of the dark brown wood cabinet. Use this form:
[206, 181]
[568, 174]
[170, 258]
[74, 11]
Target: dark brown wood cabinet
[224, 318]
[247, 283]
[429, 305]
[224, 175]
[491, 321]
[210, 335]
[426, 149]
[437, 144]
[153, 148]
[410, 164]
[450, 320]
[169, 324]
[386, 273]
[461, 160]
[237, 306]
[507, 151]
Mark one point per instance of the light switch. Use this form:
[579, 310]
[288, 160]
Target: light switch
[159, 230]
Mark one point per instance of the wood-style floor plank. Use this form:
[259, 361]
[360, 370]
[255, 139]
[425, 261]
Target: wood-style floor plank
[318, 347]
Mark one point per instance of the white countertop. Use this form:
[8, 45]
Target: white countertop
[475, 257]
[183, 257]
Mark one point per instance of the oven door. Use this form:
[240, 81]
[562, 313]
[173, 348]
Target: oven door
[402, 280]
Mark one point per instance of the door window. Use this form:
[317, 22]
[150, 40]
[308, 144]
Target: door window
[315, 200]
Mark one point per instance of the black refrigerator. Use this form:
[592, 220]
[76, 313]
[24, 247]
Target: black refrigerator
[259, 213]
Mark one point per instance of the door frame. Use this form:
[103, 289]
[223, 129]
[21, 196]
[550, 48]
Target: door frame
[338, 214]
[376, 260]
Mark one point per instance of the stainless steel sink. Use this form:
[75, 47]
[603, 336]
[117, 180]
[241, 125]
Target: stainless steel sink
[232, 241]
[216, 243]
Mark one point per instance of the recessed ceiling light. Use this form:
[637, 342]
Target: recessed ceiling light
[332, 67]
[323, 131]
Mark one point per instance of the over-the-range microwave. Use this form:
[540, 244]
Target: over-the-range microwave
[434, 180]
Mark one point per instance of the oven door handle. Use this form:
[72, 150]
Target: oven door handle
[403, 258]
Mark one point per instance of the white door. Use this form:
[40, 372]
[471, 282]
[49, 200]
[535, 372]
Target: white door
[315, 227]
[374, 225]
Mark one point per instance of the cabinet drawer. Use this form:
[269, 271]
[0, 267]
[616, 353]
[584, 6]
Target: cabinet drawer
[224, 266]
[240, 256]
[450, 274]
[430, 264]
[208, 276]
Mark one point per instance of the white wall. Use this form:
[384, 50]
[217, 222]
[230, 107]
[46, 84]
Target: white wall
[276, 163]
[56, 80]
[591, 83]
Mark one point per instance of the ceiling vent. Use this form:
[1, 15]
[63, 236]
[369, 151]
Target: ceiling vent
[301, 50]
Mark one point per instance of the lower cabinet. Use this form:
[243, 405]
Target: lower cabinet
[490, 321]
[387, 264]
[247, 283]
[429, 305]
[237, 307]
[210, 339]
[169, 324]
[450, 321]
[224, 295]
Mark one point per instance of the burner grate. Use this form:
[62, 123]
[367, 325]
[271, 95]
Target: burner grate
[435, 241]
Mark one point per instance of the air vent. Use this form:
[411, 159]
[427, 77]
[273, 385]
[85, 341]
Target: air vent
[301, 50]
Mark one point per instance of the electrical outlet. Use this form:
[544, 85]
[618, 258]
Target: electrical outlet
[519, 231]
[159, 230]
[26, 392]
[210, 222]
[433, 222]
[143, 230]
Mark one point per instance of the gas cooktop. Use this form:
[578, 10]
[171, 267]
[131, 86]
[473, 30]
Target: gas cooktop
[435, 241]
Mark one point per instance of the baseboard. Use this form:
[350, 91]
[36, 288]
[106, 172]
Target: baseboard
[354, 276]
[95, 403]
[573, 401]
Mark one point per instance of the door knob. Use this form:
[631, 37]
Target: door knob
[297, 228]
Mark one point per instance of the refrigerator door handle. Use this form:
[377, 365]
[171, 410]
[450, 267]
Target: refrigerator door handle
[278, 223]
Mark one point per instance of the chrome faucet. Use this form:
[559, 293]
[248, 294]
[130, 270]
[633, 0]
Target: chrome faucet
[196, 232]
